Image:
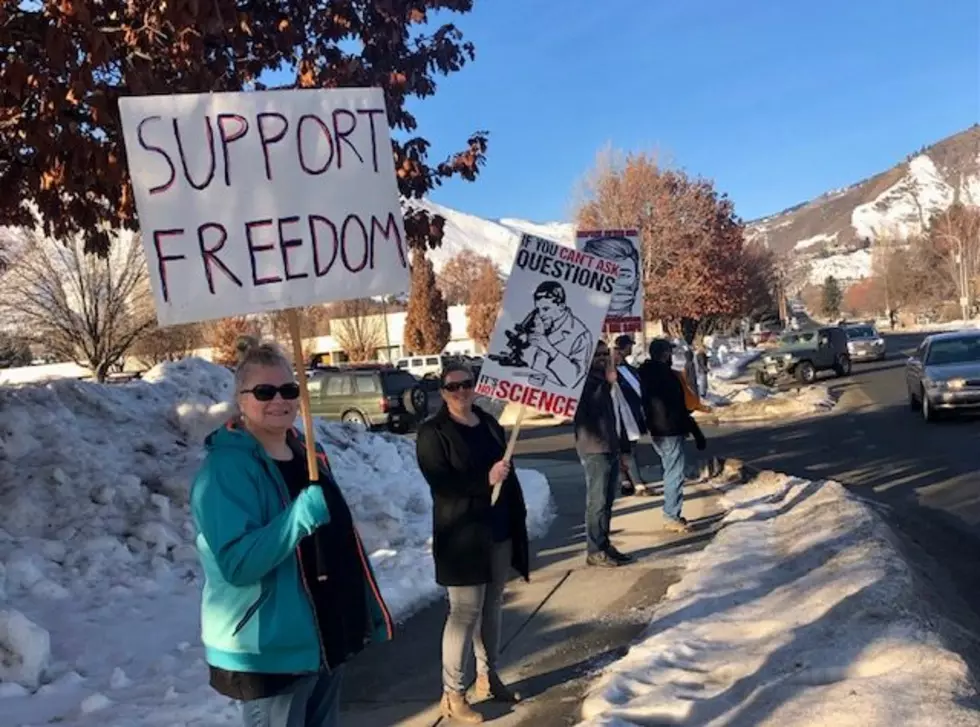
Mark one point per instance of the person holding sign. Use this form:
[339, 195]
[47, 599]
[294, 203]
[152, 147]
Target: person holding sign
[475, 542]
[289, 595]
[597, 440]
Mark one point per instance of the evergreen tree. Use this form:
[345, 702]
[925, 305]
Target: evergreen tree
[832, 297]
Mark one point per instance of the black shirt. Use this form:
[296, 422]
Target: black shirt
[246, 686]
[485, 452]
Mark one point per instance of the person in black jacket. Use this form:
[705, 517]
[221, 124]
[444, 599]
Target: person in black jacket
[597, 444]
[669, 423]
[475, 542]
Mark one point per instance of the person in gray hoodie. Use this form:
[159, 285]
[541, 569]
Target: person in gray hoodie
[597, 444]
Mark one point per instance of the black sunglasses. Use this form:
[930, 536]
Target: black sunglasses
[267, 392]
[454, 386]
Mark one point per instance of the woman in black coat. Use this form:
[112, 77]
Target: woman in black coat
[475, 543]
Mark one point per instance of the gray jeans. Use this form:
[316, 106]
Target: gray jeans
[474, 619]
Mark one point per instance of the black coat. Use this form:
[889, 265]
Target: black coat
[462, 532]
[663, 402]
[595, 417]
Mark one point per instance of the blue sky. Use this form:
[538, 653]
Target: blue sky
[776, 100]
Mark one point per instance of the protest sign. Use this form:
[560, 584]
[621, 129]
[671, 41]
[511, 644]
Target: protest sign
[266, 200]
[550, 321]
[625, 313]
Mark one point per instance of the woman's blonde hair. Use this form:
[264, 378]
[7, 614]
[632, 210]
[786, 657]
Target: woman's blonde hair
[253, 352]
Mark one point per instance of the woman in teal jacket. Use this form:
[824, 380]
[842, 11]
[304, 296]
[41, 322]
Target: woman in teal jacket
[289, 594]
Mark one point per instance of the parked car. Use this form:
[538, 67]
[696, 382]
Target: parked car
[423, 366]
[943, 375]
[864, 343]
[380, 398]
[803, 354]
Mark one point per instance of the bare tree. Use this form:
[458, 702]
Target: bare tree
[314, 321]
[358, 326]
[87, 308]
[171, 343]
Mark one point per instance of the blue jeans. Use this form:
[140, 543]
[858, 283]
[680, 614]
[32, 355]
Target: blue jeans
[313, 701]
[671, 451]
[601, 482]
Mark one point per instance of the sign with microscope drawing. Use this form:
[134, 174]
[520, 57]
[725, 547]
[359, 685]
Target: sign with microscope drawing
[623, 246]
[550, 321]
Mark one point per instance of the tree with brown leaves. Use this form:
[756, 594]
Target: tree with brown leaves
[66, 64]
[358, 326]
[694, 269]
[85, 308]
[225, 336]
[459, 275]
[482, 312]
[427, 328]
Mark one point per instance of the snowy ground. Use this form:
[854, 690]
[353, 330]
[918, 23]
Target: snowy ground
[800, 612]
[96, 556]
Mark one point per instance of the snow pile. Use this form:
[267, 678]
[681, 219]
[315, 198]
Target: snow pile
[800, 612]
[99, 580]
[746, 403]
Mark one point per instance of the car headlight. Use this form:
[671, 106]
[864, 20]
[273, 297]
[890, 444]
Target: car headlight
[879, 342]
[850, 346]
[956, 383]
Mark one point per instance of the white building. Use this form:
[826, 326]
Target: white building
[390, 331]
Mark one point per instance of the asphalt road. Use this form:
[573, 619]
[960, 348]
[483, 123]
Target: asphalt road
[924, 478]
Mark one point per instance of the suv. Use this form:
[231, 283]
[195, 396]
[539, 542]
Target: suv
[369, 398]
[425, 367]
[864, 343]
[802, 354]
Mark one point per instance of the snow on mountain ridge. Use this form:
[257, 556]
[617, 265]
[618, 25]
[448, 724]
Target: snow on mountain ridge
[497, 240]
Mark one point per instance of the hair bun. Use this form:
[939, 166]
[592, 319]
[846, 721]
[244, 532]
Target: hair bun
[245, 345]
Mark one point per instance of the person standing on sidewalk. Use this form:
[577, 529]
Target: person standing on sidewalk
[702, 367]
[475, 542]
[629, 408]
[289, 595]
[670, 423]
[597, 443]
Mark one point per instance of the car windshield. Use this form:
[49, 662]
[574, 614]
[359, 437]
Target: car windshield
[398, 381]
[861, 332]
[954, 351]
[794, 339]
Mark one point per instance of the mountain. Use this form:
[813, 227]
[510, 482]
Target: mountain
[497, 240]
[834, 232]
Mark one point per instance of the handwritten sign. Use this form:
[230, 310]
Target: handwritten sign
[623, 246]
[550, 321]
[260, 201]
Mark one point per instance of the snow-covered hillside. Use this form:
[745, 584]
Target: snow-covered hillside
[497, 240]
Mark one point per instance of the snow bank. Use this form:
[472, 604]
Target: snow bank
[800, 612]
[99, 580]
[746, 403]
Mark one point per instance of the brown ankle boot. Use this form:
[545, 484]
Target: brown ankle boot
[454, 706]
[489, 686]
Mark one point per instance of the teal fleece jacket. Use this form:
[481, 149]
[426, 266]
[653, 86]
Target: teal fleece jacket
[256, 612]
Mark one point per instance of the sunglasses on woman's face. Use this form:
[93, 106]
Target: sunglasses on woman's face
[454, 386]
[267, 392]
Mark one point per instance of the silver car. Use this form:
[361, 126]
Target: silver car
[944, 374]
[864, 343]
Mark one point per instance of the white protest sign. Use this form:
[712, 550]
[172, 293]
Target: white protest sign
[550, 321]
[622, 246]
[264, 200]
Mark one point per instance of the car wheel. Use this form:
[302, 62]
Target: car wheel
[843, 367]
[416, 401]
[928, 414]
[355, 420]
[805, 373]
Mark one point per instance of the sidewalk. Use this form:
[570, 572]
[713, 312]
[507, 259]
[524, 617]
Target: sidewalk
[558, 630]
